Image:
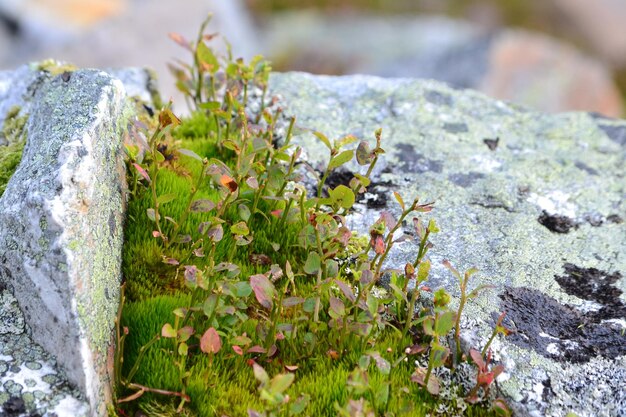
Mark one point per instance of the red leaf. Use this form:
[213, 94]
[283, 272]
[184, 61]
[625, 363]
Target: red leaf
[238, 350]
[379, 245]
[256, 349]
[346, 290]
[477, 358]
[263, 290]
[210, 341]
[179, 39]
[485, 379]
[229, 183]
[142, 172]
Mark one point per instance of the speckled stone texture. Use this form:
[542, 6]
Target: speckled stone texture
[61, 234]
[536, 202]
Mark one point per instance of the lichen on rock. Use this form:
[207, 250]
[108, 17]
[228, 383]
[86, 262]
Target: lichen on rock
[499, 175]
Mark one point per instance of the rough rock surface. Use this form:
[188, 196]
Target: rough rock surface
[602, 24]
[536, 202]
[513, 65]
[60, 239]
[118, 33]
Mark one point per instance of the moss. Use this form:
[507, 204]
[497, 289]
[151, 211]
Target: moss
[226, 385]
[12, 141]
[55, 67]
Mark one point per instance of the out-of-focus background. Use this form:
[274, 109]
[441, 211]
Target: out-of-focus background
[553, 55]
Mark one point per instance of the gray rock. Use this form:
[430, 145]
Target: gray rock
[494, 170]
[520, 66]
[61, 233]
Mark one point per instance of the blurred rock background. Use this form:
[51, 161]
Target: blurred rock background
[554, 55]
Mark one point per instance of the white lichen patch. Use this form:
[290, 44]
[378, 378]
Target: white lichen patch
[554, 202]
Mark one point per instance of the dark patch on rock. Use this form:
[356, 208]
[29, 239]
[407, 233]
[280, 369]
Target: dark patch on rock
[112, 225]
[66, 76]
[438, 98]
[490, 202]
[374, 198]
[455, 127]
[465, 180]
[492, 144]
[614, 218]
[558, 331]
[594, 285]
[584, 167]
[594, 219]
[414, 162]
[615, 133]
[338, 177]
[13, 407]
[556, 223]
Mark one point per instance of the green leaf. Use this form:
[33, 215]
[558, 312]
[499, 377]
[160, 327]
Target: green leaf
[168, 331]
[332, 268]
[313, 263]
[383, 365]
[433, 385]
[244, 212]
[427, 325]
[240, 228]
[432, 226]
[323, 138]
[363, 153]
[207, 57]
[399, 200]
[190, 154]
[299, 405]
[452, 269]
[151, 214]
[346, 140]
[382, 394]
[202, 206]
[445, 322]
[342, 196]
[166, 198]
[292, 301]
[337, 308]
[340, 159]
[280, 383]
[309, 305]
[183, 349]
[423, 270]
[438, 355]
[159, 156]
[185, 333]
[260, 374]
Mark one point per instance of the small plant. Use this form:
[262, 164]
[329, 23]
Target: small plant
[234, 272]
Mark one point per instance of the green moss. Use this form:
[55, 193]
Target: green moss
[325, 351]
[143, 264]
[13, 133]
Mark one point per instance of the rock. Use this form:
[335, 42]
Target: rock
[519, 66]
[548, 75]
[120, 33]
[601, 23]
[502, 177]
[61, 238]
